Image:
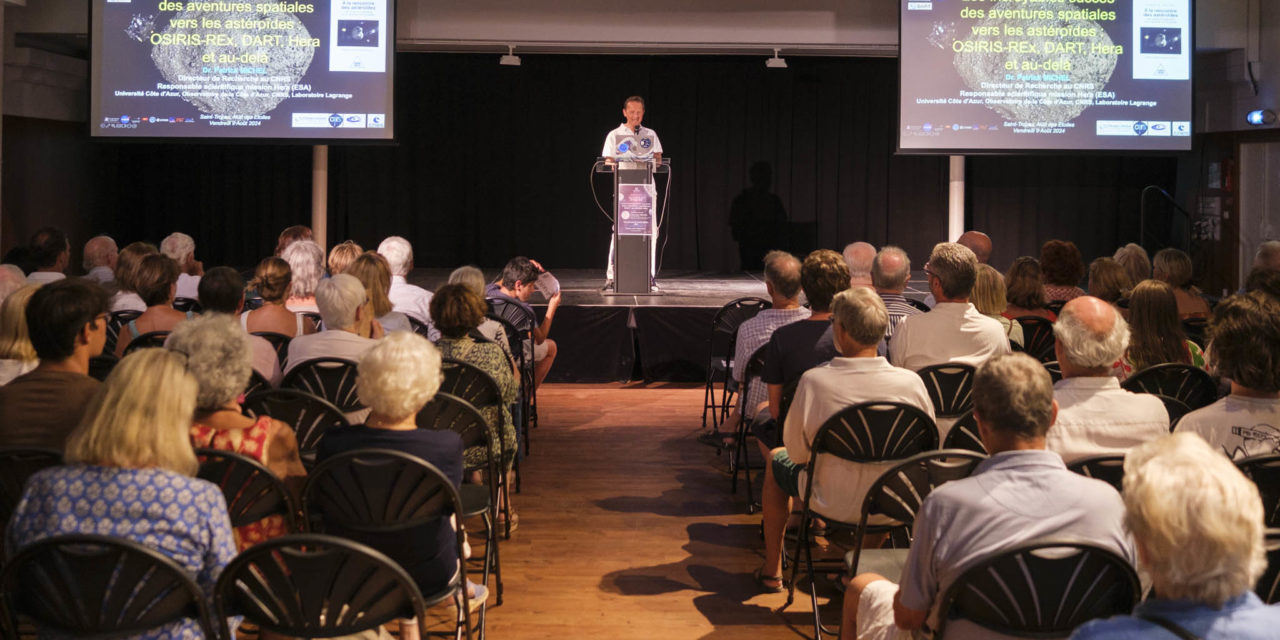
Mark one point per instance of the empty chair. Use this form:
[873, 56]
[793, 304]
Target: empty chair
[333, 379]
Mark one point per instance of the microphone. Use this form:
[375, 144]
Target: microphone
[637, 129]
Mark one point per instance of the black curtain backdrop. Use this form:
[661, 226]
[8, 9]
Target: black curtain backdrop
[495, 161]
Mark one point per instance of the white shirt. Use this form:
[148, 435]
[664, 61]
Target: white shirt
[10, 369]
[951, 332]
[188, 286]
[265, 361]
[101, 275]
[655, 146]
[410, 299]
[828, 388]
[1239, 426]
[44, 277]
[1097, 418]
[127, 301]
[331, 343]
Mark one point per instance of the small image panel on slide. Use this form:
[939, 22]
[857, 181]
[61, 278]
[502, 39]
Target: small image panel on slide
[1160, 28]
[356, 31]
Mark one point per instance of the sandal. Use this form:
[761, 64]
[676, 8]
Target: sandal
[502, 521]
[761, 579]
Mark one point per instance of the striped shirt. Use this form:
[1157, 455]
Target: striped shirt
[752, 335]
[899, 309]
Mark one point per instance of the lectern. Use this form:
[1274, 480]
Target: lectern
[635, 211]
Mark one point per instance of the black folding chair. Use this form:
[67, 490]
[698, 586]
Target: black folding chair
[518, 325]
[333, 379]
[17, 465]
[1054, 369]
[256, 383]
[310, 416]
[116, 321]
[148, 340]
[1268, 585]
[419, 327]
[919, 304]
[1195, 329]
[964, 435]
[1109, 469]
[950, 388]
[99, 586]
[1181, 387]
[1037, 338]
[100, 366]
[468, 382]
[251, 490]
[867, 432]
[381, 491]
[320, 586]
[741, 459]
[1264, 471]
[1041, 589]
[317, 322]
[186, 305]
[279, 342]
[724, 335]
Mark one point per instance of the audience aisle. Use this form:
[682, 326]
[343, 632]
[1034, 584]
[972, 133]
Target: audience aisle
[627, 528]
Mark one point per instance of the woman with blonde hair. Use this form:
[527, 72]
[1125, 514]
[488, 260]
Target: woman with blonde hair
[1156, 334]
[1174, 267]
[373, 271]
[341, 256]
[306, 262]
[17, 355]
[1108, 281]
[988, 297]
[219, 356]
[129, 475]
[1024, 290]
[272, 281]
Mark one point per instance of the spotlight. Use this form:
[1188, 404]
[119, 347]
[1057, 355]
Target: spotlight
[1260, 117]
[511, 59]
[776, 62]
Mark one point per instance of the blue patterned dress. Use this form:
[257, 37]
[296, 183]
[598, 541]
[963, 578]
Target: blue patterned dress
[182, 517]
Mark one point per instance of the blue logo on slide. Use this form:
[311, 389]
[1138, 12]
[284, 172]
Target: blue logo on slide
[928, 127]
[624, 147]
[124, 119]
[335, 120]
[1139, 127]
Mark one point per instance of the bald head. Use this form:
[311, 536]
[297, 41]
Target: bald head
[100, 251]
[1091, 336]
[890, 270]
[859, 257]
[782, 273]
[979, 243]
[1268, 256]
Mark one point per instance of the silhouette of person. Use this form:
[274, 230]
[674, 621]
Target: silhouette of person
[757, 219]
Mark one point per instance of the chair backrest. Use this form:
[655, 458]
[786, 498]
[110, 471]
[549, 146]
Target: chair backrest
[187, 304]
[333, 379]
[101, 586]
[964, 435]
[251, 490]
[950, 388]
[724, 325]
[100, 366]
[16, 466]
[900, 490]
[279, 342]
[469, 382]
[514, 314]
[256, 383]
[378, 490]
[788, 394]
[148, 340]
[1043, 588]
[447, 412]
[1268, 586]
[1037, 337]
[312, 585]
[1109, 469]
[419, 327]
[309, 415]
[751, 369]
[115, 322]
[317, 322]
[919, 304]
[875, 432]
[1265, 472]
[1182, 387]
[1195, 329]
[1054, 369]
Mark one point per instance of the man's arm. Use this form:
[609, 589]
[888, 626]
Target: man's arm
[905, 617]
[540, 332]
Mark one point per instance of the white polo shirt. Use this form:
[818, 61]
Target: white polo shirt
[331, 343]
[951, 332]
[646, 134]
[1096, 418]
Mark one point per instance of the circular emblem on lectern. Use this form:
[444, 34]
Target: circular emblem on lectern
[626, 215]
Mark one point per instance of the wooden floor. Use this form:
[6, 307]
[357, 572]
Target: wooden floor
[628, 529]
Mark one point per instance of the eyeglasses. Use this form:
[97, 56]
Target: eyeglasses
[929, 271]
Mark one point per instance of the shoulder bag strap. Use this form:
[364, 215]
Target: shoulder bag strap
[1169, 626]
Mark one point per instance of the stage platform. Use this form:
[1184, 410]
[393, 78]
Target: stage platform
[604, 337]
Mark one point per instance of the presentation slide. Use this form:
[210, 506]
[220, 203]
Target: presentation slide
[1045, 75]
[312, 70]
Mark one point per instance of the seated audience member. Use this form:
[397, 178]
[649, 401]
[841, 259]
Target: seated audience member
[1197, 525]
[1263, 280]
[11, 279]
[221, 290]
[156, 281]
[217, 355]
[782, 282]
[272, 280]
[859, 256]
[17, 356]
[800, 345]
[1268, 256]
[858, 320]
[990, 299]
[131, 468]
[1136, 263]
[1062, 267]
[515, 286]
[1095, 416]
[306, 264]
[100, 254]
[890, 271]
[1174, 267]
[1244, 339]
[1021, 493]
[977, 242]
[473, 279]
[1108, 281]
[372, 271]
[954, 331]
[181, 248]
[126, 297]
[50, 253]
[67, 325]
[1156, 335]
[406, 298]
[349, 327]
[458, 311]
[342, 255]
[291, 235]
[1024, 291]
[397, 378]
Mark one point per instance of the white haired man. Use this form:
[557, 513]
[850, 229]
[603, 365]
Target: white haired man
[182, 249]
[890, 271]
[1096, 417]
[406, 298]
[1197, 522]
[859, 256]
[350, 328]
[100, 254]
[1019, 494]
